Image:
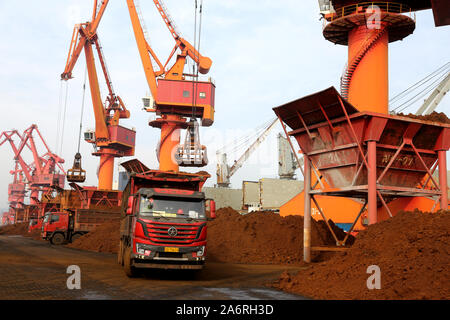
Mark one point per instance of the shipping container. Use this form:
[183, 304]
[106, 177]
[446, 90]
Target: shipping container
[250, 194]
[274, 193]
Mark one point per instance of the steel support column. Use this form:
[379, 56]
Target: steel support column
[442, 159]
[372, 181]
[307, 211]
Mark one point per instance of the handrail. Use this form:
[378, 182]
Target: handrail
[389, 7]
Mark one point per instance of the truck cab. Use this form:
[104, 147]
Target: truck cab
[164, 228]
[54, 227]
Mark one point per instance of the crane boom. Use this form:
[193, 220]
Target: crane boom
[175, 98]
[89, 32]
[167, 18]
[435, 97]
[204, 63]
[8, 136]
[225, 172]
[144, 49]
[45, 164]
[176, 71]
[110, 140]
[238, 163]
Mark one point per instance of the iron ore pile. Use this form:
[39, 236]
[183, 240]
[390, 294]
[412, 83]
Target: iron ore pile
[262, 237]
[20, 229]
[104, 238]
[434, 117]
[412, 250]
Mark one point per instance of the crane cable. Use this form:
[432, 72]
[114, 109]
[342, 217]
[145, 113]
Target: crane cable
[248, 139]
[243, 140]
[60, 122]
[82, 110]
[421, 82]
[195, 70]
[198, 48]
[256, 136]
[64, 119]
[193, 65]
[440, 73]
[421, 93]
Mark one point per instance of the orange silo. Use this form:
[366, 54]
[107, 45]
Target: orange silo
[367, 28]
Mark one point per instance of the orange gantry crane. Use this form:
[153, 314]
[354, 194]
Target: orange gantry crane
[16, 189]
[110, 140]
[42, 172]
[40, 175]
[174, 97]
[44, 167]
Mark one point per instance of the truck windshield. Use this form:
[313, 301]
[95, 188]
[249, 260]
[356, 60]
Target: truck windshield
[170, 208]
[47, 217]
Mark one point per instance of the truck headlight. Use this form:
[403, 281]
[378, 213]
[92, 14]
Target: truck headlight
[201, 252]
[142, 248]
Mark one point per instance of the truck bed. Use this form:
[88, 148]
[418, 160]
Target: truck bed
[87, 220]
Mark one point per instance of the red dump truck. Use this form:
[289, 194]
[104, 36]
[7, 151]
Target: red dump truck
[163, 225]
[66, 226]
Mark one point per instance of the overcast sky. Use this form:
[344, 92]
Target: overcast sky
[265, 53]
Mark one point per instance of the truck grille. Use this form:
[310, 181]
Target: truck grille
[158, 232]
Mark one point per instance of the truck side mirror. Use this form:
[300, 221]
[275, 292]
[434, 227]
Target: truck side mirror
[212, 209]
[130, 205]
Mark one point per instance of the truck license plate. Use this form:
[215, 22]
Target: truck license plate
[168, 249]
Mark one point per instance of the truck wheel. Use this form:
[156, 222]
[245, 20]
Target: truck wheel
[130, 271]
[57, 239]
[76, 236]
[120, 254]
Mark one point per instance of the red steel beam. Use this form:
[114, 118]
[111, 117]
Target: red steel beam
[442, 158]
[307, 211]
[372, 181]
